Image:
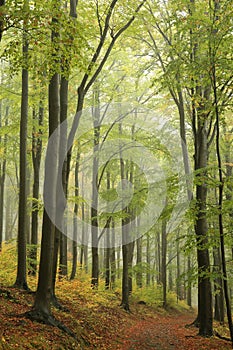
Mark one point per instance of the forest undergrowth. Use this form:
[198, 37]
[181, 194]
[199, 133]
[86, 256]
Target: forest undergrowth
[96, 319]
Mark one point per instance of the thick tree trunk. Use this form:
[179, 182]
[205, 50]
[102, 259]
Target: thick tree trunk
[63, 148]
[42, 304]
[44, 289]
[220, 191]
[205, 313]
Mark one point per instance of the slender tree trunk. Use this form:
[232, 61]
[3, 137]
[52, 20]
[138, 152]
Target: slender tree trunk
[113, 256]
[164, 262]
[218, 287]
[170, 269]
[125, 245]
[130, 266]
[84, 248]
[107, 249]
[2, 3]
[178, 282]
[94, 208]
[139, 263]
[36, 160]
[75, 224]
[21, 279]
[107, 261]
[159, 272]
[189, 288]
[3, 175]
[148, 267]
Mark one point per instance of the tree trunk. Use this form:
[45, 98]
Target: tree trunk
[178, 282]
[139, 263]
[164, 262]
[148, 267]
[170, 269]
[205, 316]
[220, 190]
[21, 279]
[189, 288]
[107, 249]
[36, 159]
[2, 3]
[113, 257]
[94, 207]
[159, 272]
[130, 266]
[75, 224]
[218, 288]
[42, 304]
[125, 245]
[3, 175]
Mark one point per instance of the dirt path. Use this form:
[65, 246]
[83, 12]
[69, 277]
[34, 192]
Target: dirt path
[167, 333]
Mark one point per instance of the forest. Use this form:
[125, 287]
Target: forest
[116, 174]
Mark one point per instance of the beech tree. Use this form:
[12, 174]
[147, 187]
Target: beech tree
[21, 280]
[41, 309]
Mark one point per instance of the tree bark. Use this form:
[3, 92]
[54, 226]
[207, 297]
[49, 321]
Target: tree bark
[36, 160]
[139, 263]
[205, 316]
[94, 206]
[218, 288]
[164, 262]
[42, 304]
[113, 256]
[21, 278]
[3, 174]
[75, 224]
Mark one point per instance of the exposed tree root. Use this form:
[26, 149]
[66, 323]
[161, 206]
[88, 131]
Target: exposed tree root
[49, 320]
[221, 337]
[22, 286]
[195, 323]
[7, 295]
[125, 306]
[57, 304]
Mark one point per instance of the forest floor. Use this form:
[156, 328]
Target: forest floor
[99, 323]
[168, 331]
